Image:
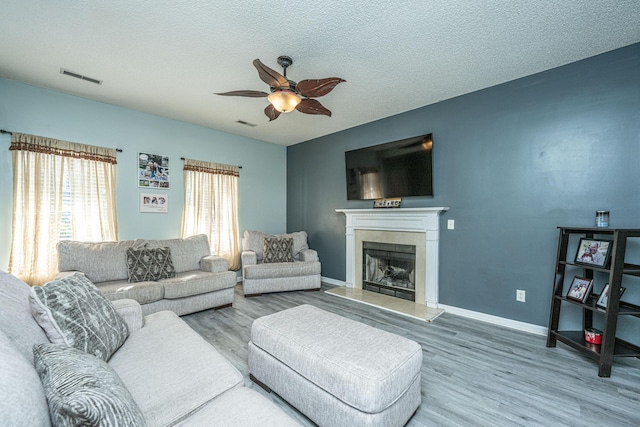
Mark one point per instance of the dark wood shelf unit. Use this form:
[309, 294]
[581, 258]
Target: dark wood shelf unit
[616, 270]
[630, 269]
[576, 340]
[624, 308]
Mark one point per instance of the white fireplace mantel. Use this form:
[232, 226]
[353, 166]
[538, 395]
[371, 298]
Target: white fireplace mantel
[417, 220]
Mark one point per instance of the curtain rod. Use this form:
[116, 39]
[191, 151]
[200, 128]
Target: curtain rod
[182, 158]
[119, 150]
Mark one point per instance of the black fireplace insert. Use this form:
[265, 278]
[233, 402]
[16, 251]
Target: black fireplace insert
[389, 269]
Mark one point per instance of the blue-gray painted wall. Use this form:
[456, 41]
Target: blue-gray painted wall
[512, 162]
[34, 110]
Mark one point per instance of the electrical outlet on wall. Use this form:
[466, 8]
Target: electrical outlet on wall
[521, 295]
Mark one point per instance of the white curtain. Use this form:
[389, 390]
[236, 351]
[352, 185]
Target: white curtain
[211, 207]
[61, 190]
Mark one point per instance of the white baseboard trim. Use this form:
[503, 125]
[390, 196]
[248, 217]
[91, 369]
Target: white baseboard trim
[500, 321]
[476, 315]
[332, 282]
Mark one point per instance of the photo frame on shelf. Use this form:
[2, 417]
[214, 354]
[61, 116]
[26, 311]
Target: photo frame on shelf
[603, 299]
[593, 252]
[580, 289]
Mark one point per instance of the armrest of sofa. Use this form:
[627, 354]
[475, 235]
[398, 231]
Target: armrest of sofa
[131, 312]
[214, 264]
[249, 258]
[308, 255]
[63, 274]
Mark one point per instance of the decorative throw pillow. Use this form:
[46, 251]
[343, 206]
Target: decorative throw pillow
[73, 312]
[83, 390]
[149, 264]
[278, 249]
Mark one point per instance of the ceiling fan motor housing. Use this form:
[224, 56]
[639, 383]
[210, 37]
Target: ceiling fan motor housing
[285, 61]
[293, 86]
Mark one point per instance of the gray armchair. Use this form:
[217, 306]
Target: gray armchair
[290, 267]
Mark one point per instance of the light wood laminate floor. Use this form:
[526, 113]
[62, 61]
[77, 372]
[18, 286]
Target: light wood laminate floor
[473, 373]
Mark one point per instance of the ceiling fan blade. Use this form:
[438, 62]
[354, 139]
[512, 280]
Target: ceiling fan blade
[270, 77]
[318, 87]
[249, 93]
[271, 112]
[312, 106]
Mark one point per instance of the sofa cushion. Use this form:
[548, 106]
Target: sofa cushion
[194, 283]
[167, 361]
[99, 261]
[283, 269]
[22, 399]
[254, 240]
[143, 292]
[73, 312]
[299, 242]
[145, 264]
[278, 249]
[83, 390]
[240, 406]
[15, 315]
[185, 253]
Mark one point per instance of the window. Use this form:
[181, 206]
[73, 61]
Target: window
[62, 190]
[211, 207]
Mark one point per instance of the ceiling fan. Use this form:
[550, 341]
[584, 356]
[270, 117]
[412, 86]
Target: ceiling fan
[287, 95]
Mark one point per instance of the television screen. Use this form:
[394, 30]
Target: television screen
[395, 169]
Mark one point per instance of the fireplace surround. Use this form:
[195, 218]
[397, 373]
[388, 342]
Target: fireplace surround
[410, 226]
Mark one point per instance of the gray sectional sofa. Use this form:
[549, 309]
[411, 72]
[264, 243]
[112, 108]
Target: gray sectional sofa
[258, 277]
[174, 376]
[202, 280]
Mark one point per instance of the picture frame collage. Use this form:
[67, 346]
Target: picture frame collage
[153, 172]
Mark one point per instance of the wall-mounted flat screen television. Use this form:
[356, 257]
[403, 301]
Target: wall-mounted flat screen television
[401, 168]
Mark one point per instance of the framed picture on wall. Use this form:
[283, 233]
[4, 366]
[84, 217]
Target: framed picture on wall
[594, 252]
[154, 202]
[580, 289]
[153, 170]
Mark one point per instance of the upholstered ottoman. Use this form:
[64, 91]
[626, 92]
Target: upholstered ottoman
[336, 371]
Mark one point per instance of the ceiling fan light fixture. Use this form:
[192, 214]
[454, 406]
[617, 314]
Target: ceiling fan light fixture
[284, 100]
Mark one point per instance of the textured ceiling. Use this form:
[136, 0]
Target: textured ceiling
[168, 57]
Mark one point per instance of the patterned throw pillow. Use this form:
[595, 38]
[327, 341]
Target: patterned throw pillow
[278, 249]
[145, 264]
[83, 390]
[73, 312]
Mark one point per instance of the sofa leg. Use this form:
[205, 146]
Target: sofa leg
[222, 306]
[260, 383]
[252, 295]
[312, 290]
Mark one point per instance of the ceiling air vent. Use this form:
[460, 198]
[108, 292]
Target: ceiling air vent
[80, 76]
[242, 122]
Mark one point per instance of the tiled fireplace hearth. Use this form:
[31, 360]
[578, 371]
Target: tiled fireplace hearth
[417, 227]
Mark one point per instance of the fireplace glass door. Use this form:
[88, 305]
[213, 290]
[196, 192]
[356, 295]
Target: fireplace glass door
[389, 269]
